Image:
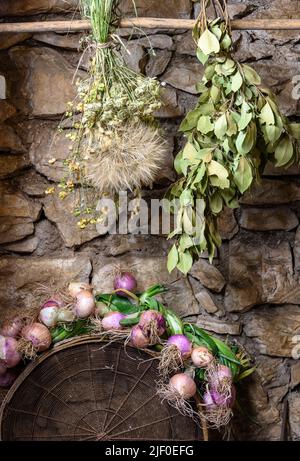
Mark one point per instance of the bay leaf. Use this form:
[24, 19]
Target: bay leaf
[236, 82]
[204, 124]
[216, 203]
[185, 262]
[208, 43]
[220, 126]
[251, 75]
[216, 169]
[172, 258]
[267, 115]
[284, 151]
[243, 175]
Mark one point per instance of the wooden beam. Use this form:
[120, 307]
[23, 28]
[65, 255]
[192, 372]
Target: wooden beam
[146, 23]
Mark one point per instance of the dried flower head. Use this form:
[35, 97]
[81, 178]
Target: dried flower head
[128, 159]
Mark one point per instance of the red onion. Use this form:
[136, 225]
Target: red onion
[125, 281]
[38, 335]
[9, 355]
[219, 377]
[49, 315]
[12, 327]
[50, 303]
[85, 304]
[208, 399]
[184, 385]
[76, 287]
[152, 320]
[201, 357]
[213, 398]
[7, 378]
[182, 343]
[112, 321]
[138, 339]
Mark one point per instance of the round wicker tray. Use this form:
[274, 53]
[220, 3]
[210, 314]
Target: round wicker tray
[87, 389]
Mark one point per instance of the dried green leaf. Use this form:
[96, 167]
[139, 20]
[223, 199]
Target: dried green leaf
[294, 129]
[186, 198]
[273, 133]
[208, 43]
[185, 262]
[185, 242]
[246, 139]
[204, 124]
[189, 152]
[207, 109]
[251, 75]
[203, 58]
[244, 120]
[216, 169]
[243, 175]
[222, 183]
[187, 221]
[215, 94]
[190, 120]
[232, 128]
[220, 126]
[172, 258]
[181, 164]
[226, 42]
[284, 151]
[236, 81]
[216, 203]
[267, 115]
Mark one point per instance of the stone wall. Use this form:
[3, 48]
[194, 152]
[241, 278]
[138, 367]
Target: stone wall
[251, 293]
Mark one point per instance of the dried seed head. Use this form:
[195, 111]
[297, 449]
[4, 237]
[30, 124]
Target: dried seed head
[129, 160]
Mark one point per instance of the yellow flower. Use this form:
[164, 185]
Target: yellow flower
[50, 190]
[62, 195]
[82, 223]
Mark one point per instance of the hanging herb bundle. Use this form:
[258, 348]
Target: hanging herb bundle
[234, 130]
[116, 144]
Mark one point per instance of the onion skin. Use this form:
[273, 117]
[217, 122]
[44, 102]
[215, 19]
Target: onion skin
[126, 281]
[182, 343]
[138, 339]
[155, 318]
[38, 335]
[12, 328]
[112, 321]
[85, 304]
[201, 357]
[49, 316]
[65, 315]
[9, 355]
[184, 385]
[219, 376]
[76, 287]
[7, 378]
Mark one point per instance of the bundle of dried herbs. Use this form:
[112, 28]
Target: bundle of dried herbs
[115, 142]
[234, 130]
